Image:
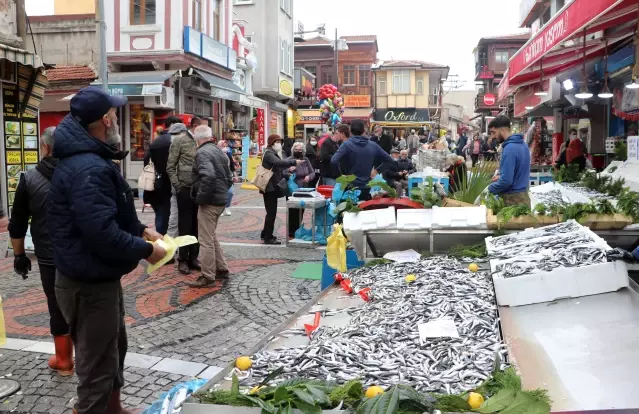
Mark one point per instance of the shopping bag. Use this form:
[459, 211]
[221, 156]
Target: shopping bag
[292, 185]
[171, 245]
[262, 177]
[336, 249]
[3, 332]
[146, 181]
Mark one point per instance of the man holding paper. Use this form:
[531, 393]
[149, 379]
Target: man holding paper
[97, 239]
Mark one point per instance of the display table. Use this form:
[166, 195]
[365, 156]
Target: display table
[312, 204]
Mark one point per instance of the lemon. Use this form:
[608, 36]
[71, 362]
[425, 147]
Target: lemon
[475, 400]
[473, 267]
[410, 278]
[243, 363]
[255, 390]
[374, 391]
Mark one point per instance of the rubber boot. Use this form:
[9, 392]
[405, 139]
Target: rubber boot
[62, 361]
[115, 406]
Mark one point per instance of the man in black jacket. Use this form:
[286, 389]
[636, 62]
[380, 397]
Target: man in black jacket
[329, 172]
[384, 140]
[29, 204]
[212, 180]
[392, 174]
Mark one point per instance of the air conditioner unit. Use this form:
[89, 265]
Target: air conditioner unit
[166, 100]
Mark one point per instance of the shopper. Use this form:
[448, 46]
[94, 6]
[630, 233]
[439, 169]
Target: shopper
[575, 154]
[304, 175]
[179, 167]
[329, 147]
[213, 179]
[489, 149]
[224, 146]
[384, 140]
[392, 173]
[312, 153]
[457, 173]
[474, 149]
[412, 143]
[514, 168]
[97, 238]
[275, 188]
[361, 156]
[405, 164]
[461, 143]
[160, 197]
[30, 206]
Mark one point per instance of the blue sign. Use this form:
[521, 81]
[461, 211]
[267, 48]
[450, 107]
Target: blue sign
[618, 60]
[208, 48]
[192, 41]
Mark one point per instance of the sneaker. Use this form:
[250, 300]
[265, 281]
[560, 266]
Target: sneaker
[201, 282]
[183, 267]
[227, 212]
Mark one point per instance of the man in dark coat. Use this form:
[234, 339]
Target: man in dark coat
[30, 205]
[329, 147]
[97, 239]
[461, 143]
[211, 184]
[384, 140]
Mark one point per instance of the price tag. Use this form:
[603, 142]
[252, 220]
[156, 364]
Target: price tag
[14, 157]
[441, 328]
[31, 157]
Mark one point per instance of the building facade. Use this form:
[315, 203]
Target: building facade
[356, 77]
[270, 27]
[66, 7]
[408, 94]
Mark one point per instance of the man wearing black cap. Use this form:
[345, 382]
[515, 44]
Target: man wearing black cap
[97, 238]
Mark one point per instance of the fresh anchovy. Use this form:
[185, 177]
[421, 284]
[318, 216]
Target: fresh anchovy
[578, 256]
[537, 245]
[381, 344]
[570, 226]
[593, 195]
[550, 198]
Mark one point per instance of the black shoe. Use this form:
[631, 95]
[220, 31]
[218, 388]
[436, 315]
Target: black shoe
[272, 241]
[170, 262]
[223, 275]
[201, 282]
[195, 265]
[183, 268]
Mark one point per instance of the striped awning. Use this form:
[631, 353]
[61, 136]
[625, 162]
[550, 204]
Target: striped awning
[24, 57]
[31, 85]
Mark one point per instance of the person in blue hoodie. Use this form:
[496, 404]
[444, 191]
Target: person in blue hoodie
[97, 239]
[361, 156]
[514, 169]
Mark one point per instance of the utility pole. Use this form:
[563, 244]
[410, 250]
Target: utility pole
[103, 57]
[336, 57]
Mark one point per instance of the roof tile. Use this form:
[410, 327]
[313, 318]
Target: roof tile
[319, 40]
[70, 73]
[360, 38]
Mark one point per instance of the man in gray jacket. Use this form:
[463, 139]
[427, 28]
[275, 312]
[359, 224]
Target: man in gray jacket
[212, 179]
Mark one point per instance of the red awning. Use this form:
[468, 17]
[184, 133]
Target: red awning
[558, 46]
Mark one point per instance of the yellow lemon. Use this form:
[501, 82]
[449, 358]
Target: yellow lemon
[475, 400]
[410, 278]
[243, 363]
[374, 391]
[255, 390]
[473, 267]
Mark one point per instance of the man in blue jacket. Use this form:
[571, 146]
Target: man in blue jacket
[361, 156]
[514, 169]
[97, 238]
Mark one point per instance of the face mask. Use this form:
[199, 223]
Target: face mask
[313, 143]
[573, 136]
[277, 146]
[298, 155]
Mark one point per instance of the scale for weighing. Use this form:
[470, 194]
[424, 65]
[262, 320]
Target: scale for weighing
[310, 193]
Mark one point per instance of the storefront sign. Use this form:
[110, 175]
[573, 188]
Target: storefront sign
[563, 25]
[489, 99]
[286, 87]
[214, 51]
[252, 102]
[486, 74]
[192, 41]
[134, 89]
[261, 128]
[309, 116]
[526, 98]
[224, 94]
[291, 117]
[357, 101]
[402, 115]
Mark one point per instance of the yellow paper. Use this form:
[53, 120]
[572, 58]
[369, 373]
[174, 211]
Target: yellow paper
[336, 249]
[170, 245]
[3, 332]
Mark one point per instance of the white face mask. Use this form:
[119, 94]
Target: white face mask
[313, 143]
[573, 136]
[277, 146]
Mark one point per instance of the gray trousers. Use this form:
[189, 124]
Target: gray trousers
[95, 314]
[173, 218]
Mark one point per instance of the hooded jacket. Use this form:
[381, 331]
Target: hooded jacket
[93, 225]
[31, 203]
[360, 156]
[514, 167]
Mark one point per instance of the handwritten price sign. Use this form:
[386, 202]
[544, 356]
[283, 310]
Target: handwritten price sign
[31, 157]
[14, 157]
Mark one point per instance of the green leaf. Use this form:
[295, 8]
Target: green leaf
[307, 408]
[497, 402]
[271, 376]
[356, 390]
[266, 406]
[386, 403]
[304, 395]
[287, 409]
[281, 394]
[497, 364]
[453, 403]
[409, 397]
[235, 386]
[342, 206]
[525, 404]
[319, 393]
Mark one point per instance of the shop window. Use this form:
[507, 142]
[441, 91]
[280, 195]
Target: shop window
[140, 124]
[501, 56]
[197, 15]
[382, 86]
[364, 75]
[142, 12]
[401, 81]
[216, 20]
[349, 75]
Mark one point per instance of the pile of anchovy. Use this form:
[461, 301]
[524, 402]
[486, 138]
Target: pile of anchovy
[550, 198]
[537, 245]
[573, 257]
[381, 344]
[593, 195]
[523, 236]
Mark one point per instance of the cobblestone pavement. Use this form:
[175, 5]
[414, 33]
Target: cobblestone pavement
[165, 318]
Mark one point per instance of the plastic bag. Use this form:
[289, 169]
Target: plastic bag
[336, 249]
[375, 189]
[292, 185]
[170, 245]
[3, 332]
[166, 398]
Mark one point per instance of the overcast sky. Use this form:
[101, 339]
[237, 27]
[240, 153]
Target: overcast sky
[438, 31]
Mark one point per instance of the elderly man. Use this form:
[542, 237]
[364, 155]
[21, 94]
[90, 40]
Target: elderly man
[179, 167]
[211, 183]
[383, 140]
[29, 204]
[97, 239]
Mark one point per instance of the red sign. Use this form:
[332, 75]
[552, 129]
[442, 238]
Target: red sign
[561, 27]
[486, 74]
[261, 128]
[489, 99]
[526, 98]
[357, 101]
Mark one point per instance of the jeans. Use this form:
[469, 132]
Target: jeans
[162, 209]
[270, 205]
[187, 224]
[56, 321]
[228, 203]
[211, 254]
[173, 217]
[95, 313]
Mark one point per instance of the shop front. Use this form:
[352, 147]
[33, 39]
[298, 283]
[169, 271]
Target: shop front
[309, 123]
[400, 121]
[357, 107]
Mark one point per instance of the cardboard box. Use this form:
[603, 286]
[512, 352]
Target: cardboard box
[606, 222]
[449, 202]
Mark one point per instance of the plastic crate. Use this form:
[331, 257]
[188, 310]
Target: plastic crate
[352, 262]
[416, 180]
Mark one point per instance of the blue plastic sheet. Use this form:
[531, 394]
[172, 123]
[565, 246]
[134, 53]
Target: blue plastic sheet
[376, 189]
[292, 185]
[307, 235]
[191, 387]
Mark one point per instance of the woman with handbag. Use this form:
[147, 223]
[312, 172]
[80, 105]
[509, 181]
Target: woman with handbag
[277, 185]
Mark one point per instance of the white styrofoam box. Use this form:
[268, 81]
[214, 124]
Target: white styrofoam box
[525, 236]
[352, 222]
[383, 218]
[561, 283]
[454, 217]
[416, 219]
